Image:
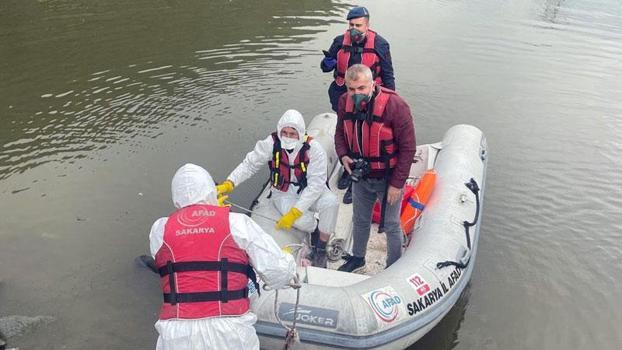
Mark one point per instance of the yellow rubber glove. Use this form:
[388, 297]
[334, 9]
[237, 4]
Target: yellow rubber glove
[287, 221]
[222, 199]
[225, 187]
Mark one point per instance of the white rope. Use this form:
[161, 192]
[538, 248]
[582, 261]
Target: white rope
[291, 336]
[249, 211]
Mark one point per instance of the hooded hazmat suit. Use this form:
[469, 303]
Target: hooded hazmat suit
[316, 197]
[193, 185]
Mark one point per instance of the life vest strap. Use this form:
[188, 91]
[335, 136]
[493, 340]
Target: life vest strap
[189, 266]
[223, 296]
[381, 158]
[357, 49]
[171, 280]
[301, 165]
[224, 281]
[354, 117]
[377, 119]
[415, 204]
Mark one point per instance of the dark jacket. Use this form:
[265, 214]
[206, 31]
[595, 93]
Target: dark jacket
[386, 66]
[396, 116]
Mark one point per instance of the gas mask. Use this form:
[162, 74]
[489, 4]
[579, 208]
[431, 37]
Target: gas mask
[360, 101]
[356, 35]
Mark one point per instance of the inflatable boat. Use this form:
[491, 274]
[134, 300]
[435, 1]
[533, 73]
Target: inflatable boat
[382, 308]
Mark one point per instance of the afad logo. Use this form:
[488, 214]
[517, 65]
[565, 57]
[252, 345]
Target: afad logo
[385, 302]
[194, 216]
[419, 284]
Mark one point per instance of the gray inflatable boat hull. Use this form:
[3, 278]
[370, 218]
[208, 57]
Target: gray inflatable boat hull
[395, 307]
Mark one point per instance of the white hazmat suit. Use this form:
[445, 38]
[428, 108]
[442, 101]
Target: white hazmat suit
[193, 185]
[316, 197]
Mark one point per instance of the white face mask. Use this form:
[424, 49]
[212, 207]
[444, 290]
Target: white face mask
[288, 143]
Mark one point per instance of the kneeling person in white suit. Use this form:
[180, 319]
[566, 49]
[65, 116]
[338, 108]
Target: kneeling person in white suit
[298, 176]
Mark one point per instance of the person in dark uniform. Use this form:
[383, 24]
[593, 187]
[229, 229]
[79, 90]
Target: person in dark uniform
[358, 45]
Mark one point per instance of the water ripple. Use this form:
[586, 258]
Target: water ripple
[118, 105]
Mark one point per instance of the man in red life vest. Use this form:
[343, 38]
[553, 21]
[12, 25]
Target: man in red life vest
[375, 129]
[205, 256]
[359, 44]
[298, 166]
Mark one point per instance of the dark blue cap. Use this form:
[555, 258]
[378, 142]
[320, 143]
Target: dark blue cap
[357, 12]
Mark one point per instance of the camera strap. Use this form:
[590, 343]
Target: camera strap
[383, 208]
[386, 158]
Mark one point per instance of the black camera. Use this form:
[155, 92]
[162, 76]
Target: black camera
[360, 168]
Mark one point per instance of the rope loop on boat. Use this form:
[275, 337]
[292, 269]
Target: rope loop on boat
[471, 185]
[291, 336]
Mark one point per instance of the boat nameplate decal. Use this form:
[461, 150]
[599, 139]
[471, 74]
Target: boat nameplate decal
[311, 315]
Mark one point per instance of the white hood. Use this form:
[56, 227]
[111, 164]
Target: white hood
[193, 185]
[293, 119]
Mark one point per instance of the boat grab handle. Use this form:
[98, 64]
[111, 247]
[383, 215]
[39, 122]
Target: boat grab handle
[464, 261]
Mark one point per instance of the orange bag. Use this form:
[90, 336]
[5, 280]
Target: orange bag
[417, 201]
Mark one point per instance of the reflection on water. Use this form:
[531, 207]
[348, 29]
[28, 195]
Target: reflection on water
[87, 84]
[445, 334]
[105, 75]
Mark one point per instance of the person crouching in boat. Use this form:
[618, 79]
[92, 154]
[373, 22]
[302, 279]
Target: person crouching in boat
[298, 176]
[375, 141]
[203, 254]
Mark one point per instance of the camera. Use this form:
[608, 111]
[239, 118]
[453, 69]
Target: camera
[360, 168]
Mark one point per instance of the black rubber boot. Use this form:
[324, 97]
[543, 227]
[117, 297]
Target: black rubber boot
[315, 238]
[319, 254]
[319, 258]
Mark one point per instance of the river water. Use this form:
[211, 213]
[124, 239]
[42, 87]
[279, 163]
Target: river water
[100, 102]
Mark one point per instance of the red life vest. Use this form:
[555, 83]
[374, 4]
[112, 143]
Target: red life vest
[375, 143]
[203, 272]
[280, 169]
[368, 57]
